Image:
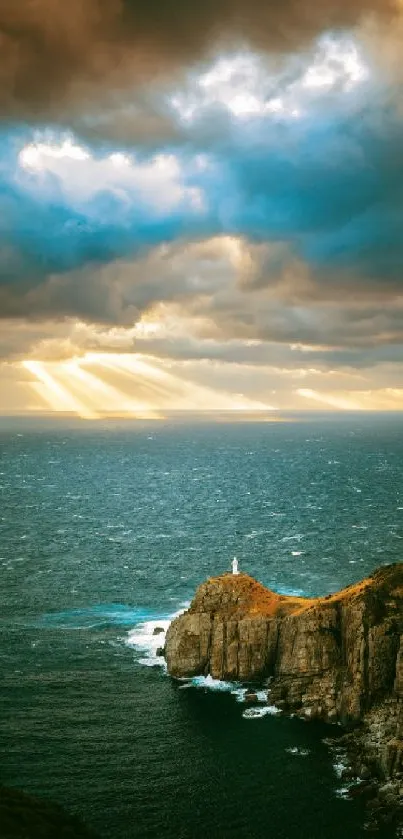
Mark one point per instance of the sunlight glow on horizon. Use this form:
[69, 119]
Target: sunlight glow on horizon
[58, 397]
[339, 402]
[69, 386]
[99, 385]
[101, 392]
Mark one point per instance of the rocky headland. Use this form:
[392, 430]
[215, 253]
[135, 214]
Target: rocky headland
[337, 658]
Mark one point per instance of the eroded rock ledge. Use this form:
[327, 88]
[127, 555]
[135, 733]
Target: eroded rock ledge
[337, 658]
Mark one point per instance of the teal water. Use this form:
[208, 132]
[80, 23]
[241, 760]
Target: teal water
[105, 531]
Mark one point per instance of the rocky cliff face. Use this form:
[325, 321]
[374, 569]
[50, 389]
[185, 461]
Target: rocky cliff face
[333, 658]
[230, 631]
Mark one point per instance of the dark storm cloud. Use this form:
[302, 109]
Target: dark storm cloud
[332, 189]
[117, 293]
[206, 314]
[324, 198]
[327, 318]
[272, 354]
[55, 53]
[317, 201]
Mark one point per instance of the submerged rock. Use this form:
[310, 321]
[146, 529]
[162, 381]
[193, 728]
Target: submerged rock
[250, 696]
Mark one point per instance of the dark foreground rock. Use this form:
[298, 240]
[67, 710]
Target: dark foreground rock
[337, 658]
[27, 817]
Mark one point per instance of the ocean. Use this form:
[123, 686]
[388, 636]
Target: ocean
[106, 529]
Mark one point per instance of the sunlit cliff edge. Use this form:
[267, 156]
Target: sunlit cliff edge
[335, 658]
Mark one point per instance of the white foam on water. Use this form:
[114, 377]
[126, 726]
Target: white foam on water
[257, 713]
[343, 792]
[240, 694]
[340, 764]
[143, 638]
[153, 661]
[262, 695]
[209, 683]
[339, 768]
[186, 686]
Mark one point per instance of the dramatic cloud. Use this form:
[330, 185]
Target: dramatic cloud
[55, 52]
[215, 187]
[320, 197]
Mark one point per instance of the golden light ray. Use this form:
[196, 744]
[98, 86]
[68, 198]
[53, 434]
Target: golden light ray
[181, 393]
[339, 402]
[202, 396]
[144, 379]
[71, 386]
[58, 397]
[144, 384]
[105, 396]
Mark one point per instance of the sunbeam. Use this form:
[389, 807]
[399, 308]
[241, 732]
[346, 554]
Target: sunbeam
[106, 396]
[58, 397]
[339, 402]
[171, 391]
[150, 390]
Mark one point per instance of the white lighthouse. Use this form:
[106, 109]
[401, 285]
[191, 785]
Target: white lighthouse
[235, 566]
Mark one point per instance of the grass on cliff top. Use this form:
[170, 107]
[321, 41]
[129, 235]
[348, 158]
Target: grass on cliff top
[246, 594]
[387, 580]
[242, 593]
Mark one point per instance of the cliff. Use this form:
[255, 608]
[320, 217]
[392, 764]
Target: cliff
[338, 654]
[334, 658]
[229, 631]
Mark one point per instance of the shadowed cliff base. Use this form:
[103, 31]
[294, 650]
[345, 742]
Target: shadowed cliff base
[334, 658]
[24, 816]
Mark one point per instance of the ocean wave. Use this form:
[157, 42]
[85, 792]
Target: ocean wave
[262, 711]
[343, 792]
[147, 637]
[243, 694]
[208, 683]
[100, 616]
[341, 767]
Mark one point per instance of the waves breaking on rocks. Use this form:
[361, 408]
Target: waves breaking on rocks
[148, 638]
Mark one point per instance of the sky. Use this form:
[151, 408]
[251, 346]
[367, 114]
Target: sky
[201, 206]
